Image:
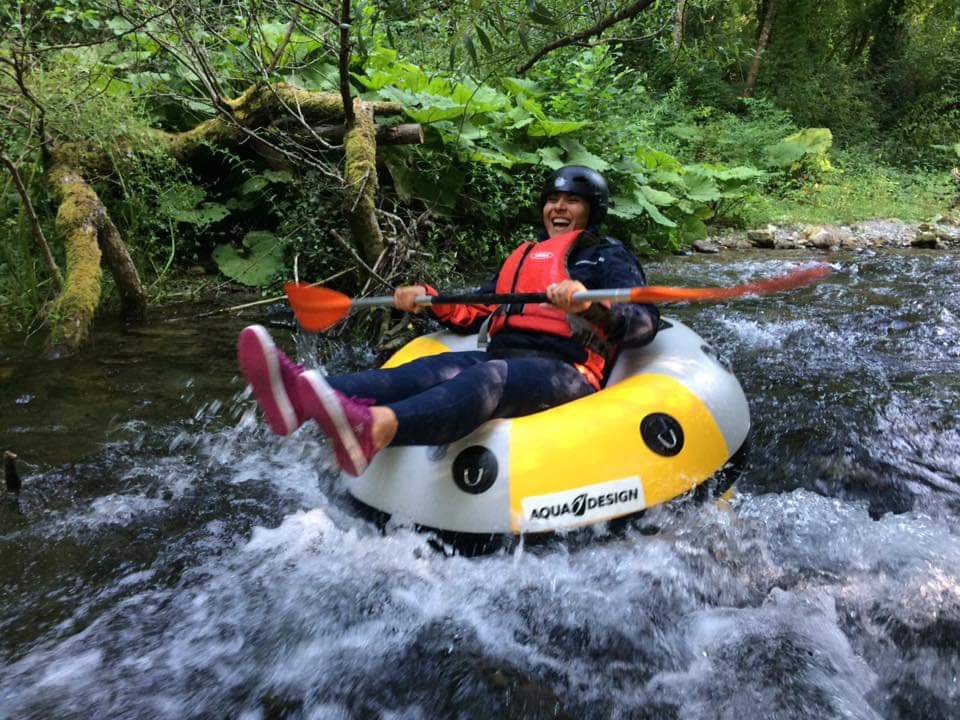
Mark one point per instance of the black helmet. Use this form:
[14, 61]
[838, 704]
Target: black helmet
[586, 183]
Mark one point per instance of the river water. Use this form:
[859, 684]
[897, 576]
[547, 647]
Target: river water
[169, 558]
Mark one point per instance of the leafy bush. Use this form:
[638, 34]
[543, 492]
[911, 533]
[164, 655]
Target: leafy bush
[529, 128]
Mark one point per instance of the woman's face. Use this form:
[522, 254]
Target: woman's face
[564, 212]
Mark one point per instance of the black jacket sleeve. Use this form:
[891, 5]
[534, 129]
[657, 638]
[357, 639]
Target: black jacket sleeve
[627, 324]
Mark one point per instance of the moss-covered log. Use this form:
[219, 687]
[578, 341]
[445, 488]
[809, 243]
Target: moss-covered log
[260, 107]
[88, 234]
[72, 311]
[360, 146]
[397, 134]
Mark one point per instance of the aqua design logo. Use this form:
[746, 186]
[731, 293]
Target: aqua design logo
[592, 503]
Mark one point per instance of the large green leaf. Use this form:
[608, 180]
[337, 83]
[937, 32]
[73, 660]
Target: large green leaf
[626, 208]
[317, 76]
[482, 99]
[440, 109]
[660, 198]
[551, 157]
[691, 228]
[577, 154]
[701, 188]
[256, 264]
[254, 185]
[810, 141]
[519, 87]
[205, 214]
[521, 118]
[520, 154]
[544, 127]
[636, 206]
[491, 157]
[784, 154]
[741, 172]
[278, 176]
[657, 216]
[667, 177]
[439, 192]
[816, 140]
[658, 160]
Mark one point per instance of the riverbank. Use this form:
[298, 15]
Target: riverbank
[942, 233]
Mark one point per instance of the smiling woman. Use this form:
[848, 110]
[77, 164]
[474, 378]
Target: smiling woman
[564, 212]
[539, 355]
[574, 198]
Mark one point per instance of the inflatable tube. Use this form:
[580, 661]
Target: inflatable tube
[670, 417]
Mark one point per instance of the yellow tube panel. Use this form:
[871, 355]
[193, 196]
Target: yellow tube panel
[597, 439]
[416, 349]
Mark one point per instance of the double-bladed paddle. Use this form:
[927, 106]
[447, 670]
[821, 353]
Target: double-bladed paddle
[319, 308]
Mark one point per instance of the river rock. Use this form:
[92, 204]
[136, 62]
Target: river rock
[763, 237]
[824, 238]
[948, 235]
[706, 247]
[734, 241]
[926, 238]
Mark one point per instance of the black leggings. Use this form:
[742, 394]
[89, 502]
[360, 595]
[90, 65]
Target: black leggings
[442, 398]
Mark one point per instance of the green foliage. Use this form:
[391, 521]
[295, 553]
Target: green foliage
[857, 190]
[656, 196]
[853, 108]
[257, 264]
[802, 155]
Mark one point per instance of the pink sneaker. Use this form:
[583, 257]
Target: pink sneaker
[273, 377]
[348, 422]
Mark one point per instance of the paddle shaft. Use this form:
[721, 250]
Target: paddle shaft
[616, 295]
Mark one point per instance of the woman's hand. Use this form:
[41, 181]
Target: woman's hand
[561, 295]
[404, 298]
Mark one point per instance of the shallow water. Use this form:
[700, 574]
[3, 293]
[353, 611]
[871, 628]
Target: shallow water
[171, 559]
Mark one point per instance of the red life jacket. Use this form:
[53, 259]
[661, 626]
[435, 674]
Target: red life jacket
[530, 268]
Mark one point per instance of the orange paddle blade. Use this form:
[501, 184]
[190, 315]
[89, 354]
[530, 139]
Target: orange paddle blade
[316, 308]
[790, 281]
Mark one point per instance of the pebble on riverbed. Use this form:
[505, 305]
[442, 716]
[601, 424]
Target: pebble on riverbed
[942, 233]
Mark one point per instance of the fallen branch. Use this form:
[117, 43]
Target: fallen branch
[397, 134]
[360, 146]
[34, 222]
[89, 235]
[610, 20]
[256, 109]
[371, 271]
[265, 301]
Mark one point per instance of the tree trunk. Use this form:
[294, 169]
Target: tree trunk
[89, 235]
[72, 311]
[398, 134]
[762, 42]
[133, 300]
[679, 21]
[360, 144]
[888, 34]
